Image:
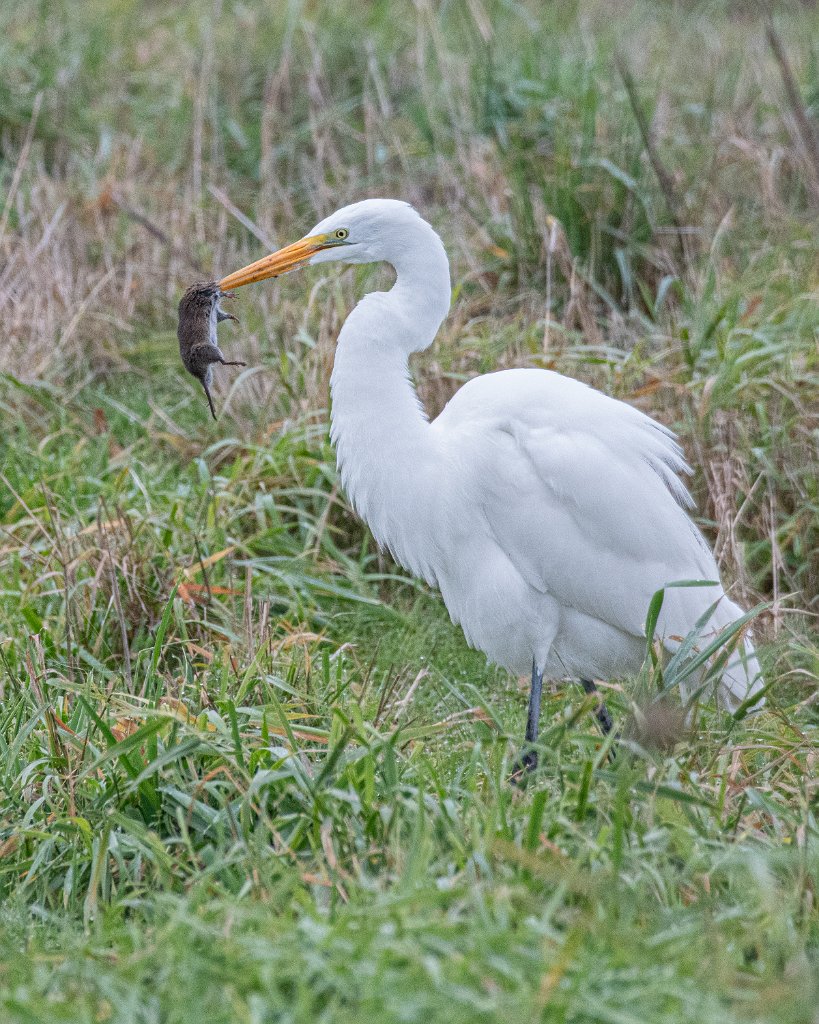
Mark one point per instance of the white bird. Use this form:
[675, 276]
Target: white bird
[545, 512]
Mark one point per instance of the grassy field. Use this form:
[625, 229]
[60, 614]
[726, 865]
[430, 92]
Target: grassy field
[249, 772]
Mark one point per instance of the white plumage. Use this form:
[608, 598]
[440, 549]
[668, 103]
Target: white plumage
[547, 513]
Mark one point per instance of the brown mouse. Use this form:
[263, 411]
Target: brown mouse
[200, 311]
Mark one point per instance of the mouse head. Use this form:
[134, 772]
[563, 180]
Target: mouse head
[199, 302]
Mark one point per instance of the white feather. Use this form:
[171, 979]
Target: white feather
[547, 513]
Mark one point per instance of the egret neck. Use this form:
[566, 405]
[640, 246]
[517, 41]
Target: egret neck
[389, 458]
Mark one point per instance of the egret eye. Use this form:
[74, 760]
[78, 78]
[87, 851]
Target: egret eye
[340, 234]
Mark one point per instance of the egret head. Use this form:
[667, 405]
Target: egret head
[371, 231]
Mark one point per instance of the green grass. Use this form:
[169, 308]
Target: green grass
[249, 772]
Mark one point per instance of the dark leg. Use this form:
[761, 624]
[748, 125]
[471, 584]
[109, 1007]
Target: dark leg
[528, 762]
[535, 693]
[601, 712]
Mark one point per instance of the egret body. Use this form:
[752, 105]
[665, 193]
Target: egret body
[545, 512]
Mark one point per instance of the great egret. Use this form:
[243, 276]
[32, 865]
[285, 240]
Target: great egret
[546, 512]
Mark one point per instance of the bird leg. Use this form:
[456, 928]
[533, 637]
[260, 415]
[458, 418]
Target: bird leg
[535, 692]
[601, 712]
[528, 762]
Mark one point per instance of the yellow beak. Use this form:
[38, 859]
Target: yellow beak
[289, 258]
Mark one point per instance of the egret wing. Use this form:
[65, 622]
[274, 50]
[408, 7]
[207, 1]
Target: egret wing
[582, 494]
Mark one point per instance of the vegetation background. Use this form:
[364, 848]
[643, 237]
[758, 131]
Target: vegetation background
[250, 773]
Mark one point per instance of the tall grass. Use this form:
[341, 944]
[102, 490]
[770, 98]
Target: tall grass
[249, 771]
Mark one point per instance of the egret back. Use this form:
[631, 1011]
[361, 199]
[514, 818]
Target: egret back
[583, 494]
